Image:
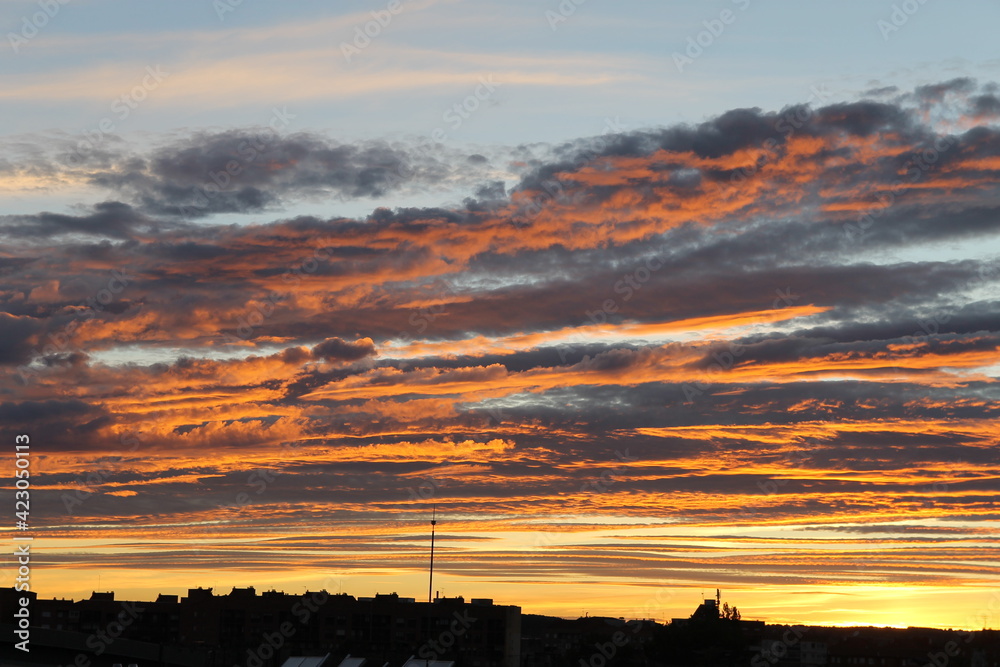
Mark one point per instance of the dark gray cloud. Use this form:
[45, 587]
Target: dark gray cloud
[16, 337]
[935, 92]
[244, 171]
[109, 219]
[337, 349]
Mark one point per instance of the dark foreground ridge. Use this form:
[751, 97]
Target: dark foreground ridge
[244, 629]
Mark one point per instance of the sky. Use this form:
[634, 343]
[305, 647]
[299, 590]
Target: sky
[640, 299]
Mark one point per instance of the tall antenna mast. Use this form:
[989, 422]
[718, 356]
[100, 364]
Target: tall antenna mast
[430, 582]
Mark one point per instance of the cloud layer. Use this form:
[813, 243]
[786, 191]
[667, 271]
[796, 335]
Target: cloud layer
[687, 329]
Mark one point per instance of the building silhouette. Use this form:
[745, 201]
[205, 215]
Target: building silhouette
[272, 628]
[264, 630]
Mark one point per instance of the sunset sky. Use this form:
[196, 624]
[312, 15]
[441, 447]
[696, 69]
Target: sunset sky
[643, 299]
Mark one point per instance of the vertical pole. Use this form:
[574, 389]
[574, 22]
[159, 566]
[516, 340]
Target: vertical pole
[430, 583]
[430, 580]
